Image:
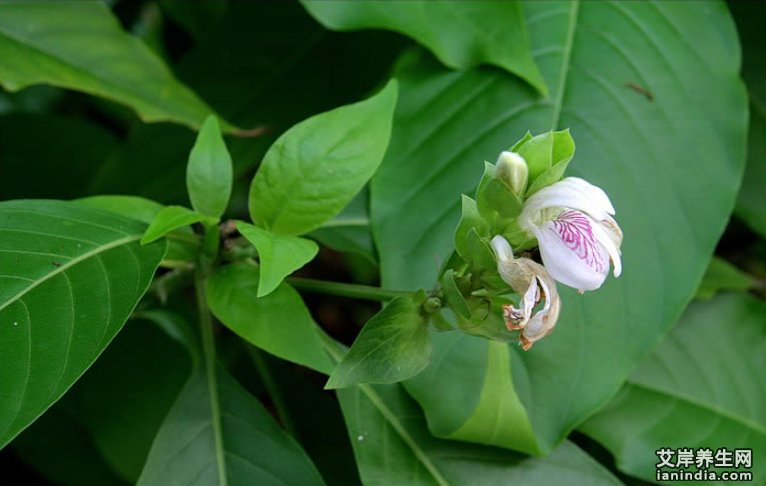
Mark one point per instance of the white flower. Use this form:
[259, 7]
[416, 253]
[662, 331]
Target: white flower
[532, 282]
[572, 221]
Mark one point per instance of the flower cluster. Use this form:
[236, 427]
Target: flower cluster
[522, 203]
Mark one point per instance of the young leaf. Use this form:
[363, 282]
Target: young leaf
[81, 46]
[209, 173]
[278, 255]
[218, 434]
[704, 387]
[171, 218]
[460, 34]
[182, 247]
[70, 277]
[278, 323]
[315, 168]
[394, 345]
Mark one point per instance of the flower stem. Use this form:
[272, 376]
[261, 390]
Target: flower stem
[355, 291]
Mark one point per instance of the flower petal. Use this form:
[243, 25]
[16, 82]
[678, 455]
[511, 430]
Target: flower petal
[502, 249]
[571, 192]
[542, 323]
[571, 252]
[608, 239]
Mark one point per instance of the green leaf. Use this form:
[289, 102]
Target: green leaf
[392, 445]
[81, 46]
[751, 205]
[70, 278]
[252, 448]
[314, 169]
[278, 323]
[705, 386]
[487, 396]
[172, 218]
[319, 428]
[209, 173]
[123, 380]
[493, 196]
[460, 34]
[447, 123]
[454, 296]
[394, 345]
[278, 255]
[723, 276]
[182, 244]
[547, 156]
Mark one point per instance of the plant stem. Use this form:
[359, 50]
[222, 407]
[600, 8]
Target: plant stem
[277, 397]
[345, 289]
[208, 352]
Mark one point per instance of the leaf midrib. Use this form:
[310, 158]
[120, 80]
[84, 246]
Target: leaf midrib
[565, 64]
[407, 438]
[64, 267]
[330, 346]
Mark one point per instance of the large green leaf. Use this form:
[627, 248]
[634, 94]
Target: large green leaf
[705, 386]
[218, 434]
[460, 34]
[278, 323]
[392, 445]
[670, 157]
[81, 46]
[316, 168]
[69, 278]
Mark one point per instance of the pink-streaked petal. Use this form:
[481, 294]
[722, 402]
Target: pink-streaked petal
[570, 251]
[572, 192]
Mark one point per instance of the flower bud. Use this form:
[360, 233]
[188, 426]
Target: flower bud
[511, 168]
